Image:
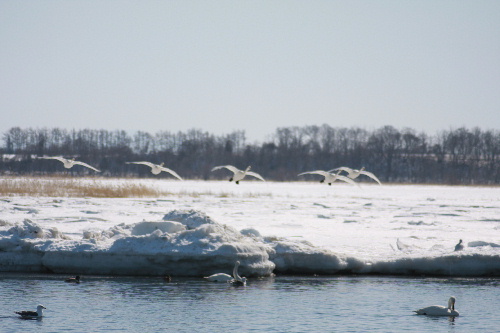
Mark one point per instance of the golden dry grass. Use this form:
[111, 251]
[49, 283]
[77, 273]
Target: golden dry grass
[67, 187]
[50, 186]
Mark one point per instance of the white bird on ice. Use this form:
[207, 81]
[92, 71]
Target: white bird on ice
[238, 174]
[223, 277]
[32, 314]
[353, 174]
[68, 164]
[439, 310]
[329, 177]
[157, 168]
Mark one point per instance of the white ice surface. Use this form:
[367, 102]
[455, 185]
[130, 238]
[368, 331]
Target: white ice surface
[306, 227]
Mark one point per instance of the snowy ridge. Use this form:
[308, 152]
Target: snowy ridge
[189, 243]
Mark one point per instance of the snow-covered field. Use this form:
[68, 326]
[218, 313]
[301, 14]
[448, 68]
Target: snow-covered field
[295, 227]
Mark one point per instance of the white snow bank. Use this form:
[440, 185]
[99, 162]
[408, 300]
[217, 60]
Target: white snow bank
[189, 243]
[481, 243]
[194, 246]
[449, 265]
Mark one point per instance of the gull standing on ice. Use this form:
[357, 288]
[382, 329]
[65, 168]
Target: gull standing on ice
[68, 164]
[238, 174]
[353, 174]
[439, 310]
[459, 246]
[329, 177]
[32, 314]
[157, 168]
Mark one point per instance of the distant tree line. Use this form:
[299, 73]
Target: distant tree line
[458, 156]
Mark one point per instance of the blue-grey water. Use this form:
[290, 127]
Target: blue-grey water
[279, 304]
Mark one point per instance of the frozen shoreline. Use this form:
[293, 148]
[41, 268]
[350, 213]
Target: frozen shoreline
[189, 243]
[285, 228]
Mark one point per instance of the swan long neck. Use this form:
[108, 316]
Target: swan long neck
[451, 303]
[236, 276]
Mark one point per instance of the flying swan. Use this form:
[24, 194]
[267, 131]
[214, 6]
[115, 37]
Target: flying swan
[157, 168]
[68, 164]
[32, 314]
[329, 177]
[238, 174]
[223, 277]
[439, 310]
[353, 174]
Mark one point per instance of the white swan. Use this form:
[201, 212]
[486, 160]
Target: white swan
[219, 277]
[223, 277]
[68, 164]
[238, 174]
[32, 314]
[353, 174]
[329, 177]
[439, 310]
[237, 278]
[156, 169]
[459, 246]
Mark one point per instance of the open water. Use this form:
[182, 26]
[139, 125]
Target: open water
[277, 304]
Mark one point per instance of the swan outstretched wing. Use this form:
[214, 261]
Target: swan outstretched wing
[346, 179]
[372, 176]
[317, 172]
[346, 169]
[149, 164]
[59, 158]
[86, 165]
[256, 175]
[172, 172]
[229, 167]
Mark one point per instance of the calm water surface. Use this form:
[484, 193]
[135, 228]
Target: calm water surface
[279, 304]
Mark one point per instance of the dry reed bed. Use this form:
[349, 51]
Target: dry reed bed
[63, 187]
[96, 188]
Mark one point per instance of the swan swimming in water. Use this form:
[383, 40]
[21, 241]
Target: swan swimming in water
[238, 174]
[459, 246]
[76, 279]
[32, 314]
[329, 177]
[68, 164]
[237, 278]
[219, 277]
[439, 310]
[353, 174]
[156, 169]
[223, 277]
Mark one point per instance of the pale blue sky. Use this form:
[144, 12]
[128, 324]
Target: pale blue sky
[249, 65]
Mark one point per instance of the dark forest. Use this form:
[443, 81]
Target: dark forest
[457, 156]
